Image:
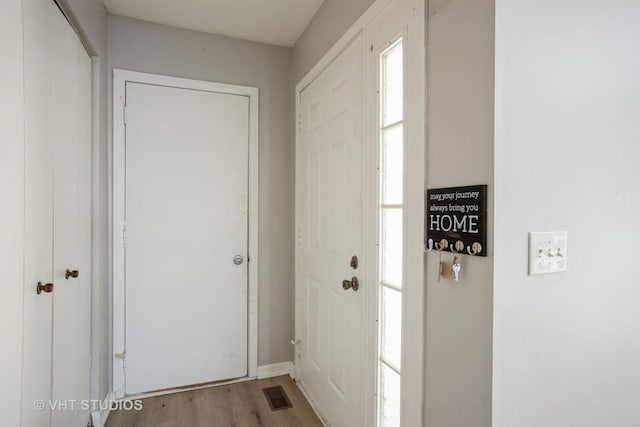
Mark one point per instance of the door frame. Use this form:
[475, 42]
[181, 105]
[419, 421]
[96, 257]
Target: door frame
[120, 79]
[413, 322]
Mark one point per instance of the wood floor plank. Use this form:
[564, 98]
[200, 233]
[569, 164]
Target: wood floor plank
[235, 405]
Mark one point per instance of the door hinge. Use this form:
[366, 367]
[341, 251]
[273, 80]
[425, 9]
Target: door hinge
[124, 236]
[121, 356]
[124, 114]
[300, 123]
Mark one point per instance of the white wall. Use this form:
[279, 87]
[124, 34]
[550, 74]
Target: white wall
[89, 18]
[460, 119]
[11, 210]
[152, 48]
[567, 346]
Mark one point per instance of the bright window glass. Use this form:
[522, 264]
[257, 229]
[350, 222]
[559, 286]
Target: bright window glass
[392, 84]
[392, 326]
[391, 235]
[392, 246]
[390, 397]
[392, 152]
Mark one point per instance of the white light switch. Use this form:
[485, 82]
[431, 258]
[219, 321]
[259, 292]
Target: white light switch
[547, 252]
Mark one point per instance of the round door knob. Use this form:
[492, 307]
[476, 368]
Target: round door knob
[71, 273]
[48, 288]
[238, 259]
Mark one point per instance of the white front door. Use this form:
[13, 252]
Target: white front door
[186, 209]
[331, 156]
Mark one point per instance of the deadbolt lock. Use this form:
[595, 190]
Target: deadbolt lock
[354, 262]
[352, 284]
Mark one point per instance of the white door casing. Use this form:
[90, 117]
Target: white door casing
[189, 205]
[405, 19]
[331, 164]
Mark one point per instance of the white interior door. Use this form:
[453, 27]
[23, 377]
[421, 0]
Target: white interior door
[331, 153]
[71, 375]
[57, 220]
[38, 251]
[186, 218]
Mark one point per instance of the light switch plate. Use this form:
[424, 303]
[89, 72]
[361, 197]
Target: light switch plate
[547, 252]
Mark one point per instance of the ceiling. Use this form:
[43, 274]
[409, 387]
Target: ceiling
[278, 22]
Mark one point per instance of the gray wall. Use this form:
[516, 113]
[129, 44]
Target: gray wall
[90, 19]
[12, 211]
[460, 143]
[331, 21]
[567, 346]
[152, 48]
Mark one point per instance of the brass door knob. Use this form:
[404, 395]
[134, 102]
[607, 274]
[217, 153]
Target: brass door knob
[48, 288]
[71, 273]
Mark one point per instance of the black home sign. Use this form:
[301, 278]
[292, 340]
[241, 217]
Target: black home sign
[457, 219]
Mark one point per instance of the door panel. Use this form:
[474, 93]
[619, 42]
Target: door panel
[72, 226]
[39, 128]
[186, 219]
[332, 336]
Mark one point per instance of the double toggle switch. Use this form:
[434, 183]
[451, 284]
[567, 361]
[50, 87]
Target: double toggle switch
[547, 252]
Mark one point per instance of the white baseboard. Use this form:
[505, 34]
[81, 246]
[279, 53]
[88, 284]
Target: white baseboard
[99, 418]
[275, 370]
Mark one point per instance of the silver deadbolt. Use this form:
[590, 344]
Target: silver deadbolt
[238, 259]
[352, 284]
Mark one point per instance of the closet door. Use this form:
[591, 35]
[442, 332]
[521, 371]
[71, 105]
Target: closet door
[57, 85]
[39, 131]
[71, 226]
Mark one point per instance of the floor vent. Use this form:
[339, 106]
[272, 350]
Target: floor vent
[277, 398]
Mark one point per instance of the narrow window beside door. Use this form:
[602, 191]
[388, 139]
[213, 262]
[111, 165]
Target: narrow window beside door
[391, 234]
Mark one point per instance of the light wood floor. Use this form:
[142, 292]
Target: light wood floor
[235, 405]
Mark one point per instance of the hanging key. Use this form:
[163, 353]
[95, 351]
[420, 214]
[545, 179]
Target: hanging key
[456, 267]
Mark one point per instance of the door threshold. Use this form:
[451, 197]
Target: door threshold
[181, 389]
